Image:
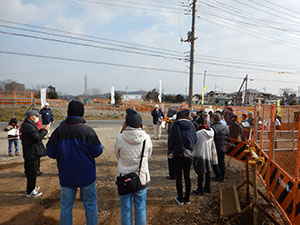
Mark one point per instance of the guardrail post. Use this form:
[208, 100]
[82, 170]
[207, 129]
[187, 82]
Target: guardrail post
[295, 187]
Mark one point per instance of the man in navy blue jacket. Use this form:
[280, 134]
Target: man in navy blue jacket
[75, 146]
[185, 128]
[47, 116]
[158, 116]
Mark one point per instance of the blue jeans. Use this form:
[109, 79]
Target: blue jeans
[89, 198]
[10, 143]
[139, 199]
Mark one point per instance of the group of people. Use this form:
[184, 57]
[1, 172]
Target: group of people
[208, 141]
[14, 130]
[75, 146]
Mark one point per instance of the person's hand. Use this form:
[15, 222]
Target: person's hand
[47, 127]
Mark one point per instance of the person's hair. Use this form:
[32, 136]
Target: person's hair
[200, 112]
[13, 120]
[186, 113]
[229, 109]
[217, 117]
[201, 121]
[183, 114]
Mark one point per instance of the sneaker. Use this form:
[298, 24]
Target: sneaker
[17, 153]
[34, 194]
[37, 188]
[187, 202]
[180, 202]
[10, 154]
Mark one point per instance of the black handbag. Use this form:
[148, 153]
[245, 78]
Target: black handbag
[186, 153]
[40, 150]
[130, 182]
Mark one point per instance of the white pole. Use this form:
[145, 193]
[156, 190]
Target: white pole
[160, 94]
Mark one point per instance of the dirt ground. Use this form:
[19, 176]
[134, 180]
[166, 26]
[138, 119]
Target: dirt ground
[162, 209]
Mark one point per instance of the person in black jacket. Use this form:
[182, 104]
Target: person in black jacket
[32, 148]
[158, 116]
[221, 142]
[47, 116]
[184, 127]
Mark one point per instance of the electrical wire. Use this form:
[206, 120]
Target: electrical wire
[130, 7]
[130, 66]
[90, 36]
[93, 41]
[85, 45]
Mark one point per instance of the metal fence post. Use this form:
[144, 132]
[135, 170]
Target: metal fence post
[262, 130]
[271, 147]
[254, 136]
[295, 187]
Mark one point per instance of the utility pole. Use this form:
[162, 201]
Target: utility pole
[85, 86]
[246, 86]
[191, 38]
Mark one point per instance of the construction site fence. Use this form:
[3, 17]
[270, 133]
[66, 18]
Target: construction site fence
[275, 136]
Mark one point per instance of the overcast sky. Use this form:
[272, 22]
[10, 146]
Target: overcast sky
[264, 34]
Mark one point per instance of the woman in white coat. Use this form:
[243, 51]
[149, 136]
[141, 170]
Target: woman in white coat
[128, 149]
[203, 156]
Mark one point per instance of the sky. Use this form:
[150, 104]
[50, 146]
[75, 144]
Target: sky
[74, 38]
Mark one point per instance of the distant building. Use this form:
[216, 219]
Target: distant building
[223, 100]
[196, 99]
[252, 96]
[212, 97]
[132, 96]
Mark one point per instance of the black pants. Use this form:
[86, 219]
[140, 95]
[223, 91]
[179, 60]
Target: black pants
[31, 168]
[201, 179]
[221, 162]
[183, 165]
[171, 168]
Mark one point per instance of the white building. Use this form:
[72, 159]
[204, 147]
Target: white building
[132, 96]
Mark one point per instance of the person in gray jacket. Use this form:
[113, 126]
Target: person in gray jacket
[221, 141]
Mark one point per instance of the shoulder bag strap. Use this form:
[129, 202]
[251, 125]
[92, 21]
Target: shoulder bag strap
[144, 143]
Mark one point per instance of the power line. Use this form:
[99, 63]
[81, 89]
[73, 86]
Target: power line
[143, 4]
[276, 10]
[131, 45]
[280, 6]
[130, 7]
[89, 36]
[129, 66]
[291, 40]
[93, 41]
[216, 60]
[252, 32]
[86, 45]
[262, 10]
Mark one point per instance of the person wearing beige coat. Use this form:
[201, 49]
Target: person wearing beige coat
[128, 150]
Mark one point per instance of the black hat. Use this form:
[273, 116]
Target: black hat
[133, 119]
[75, 108]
